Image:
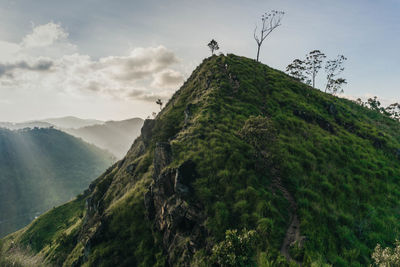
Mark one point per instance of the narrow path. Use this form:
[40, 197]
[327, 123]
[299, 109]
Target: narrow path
[293, 231]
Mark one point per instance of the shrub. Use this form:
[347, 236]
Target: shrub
[238, 249]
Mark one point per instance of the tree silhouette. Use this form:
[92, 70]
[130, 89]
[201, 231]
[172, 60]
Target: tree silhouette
[334, 68]
[296, 69]
[213, 45]
[269, 22]
[159, 102]
[313, 63]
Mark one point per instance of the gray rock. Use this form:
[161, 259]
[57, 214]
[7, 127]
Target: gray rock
[147, 131]
[168, 204]
[162, 157]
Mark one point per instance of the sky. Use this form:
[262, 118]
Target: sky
[110, 60]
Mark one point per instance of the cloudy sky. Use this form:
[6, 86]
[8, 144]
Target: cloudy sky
[111, 59]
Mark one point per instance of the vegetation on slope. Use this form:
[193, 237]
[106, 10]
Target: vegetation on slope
[339, 161]
[40, 169]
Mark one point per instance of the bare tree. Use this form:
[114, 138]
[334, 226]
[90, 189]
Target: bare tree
[313, 63]
[213, 45]
[270, 21]
[159, 102]
[334, 68]
[296, 69]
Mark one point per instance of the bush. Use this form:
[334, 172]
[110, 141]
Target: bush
[238, 249]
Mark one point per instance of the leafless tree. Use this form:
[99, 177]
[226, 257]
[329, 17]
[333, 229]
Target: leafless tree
[213, 45]
[270, 21]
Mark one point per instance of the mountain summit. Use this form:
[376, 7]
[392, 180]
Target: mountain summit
[244, 166]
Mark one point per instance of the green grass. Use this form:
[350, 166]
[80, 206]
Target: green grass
[339, 161]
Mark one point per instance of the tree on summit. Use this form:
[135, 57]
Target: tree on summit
[333, 68]
[269, 22]
[296, 69]
[160, 103]
[213, 45]
[313, 63]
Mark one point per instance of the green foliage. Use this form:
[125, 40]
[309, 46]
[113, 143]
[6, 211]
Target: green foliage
[238, 249]
[128, 240]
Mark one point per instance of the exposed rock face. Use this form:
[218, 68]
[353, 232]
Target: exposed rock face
[162, 157]
[168, 203]
[147, 131]
[188, 113]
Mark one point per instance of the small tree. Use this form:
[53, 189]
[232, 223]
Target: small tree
[374, 104]
[334, 68]
[313, 63]
[238, 249]
[213, 45]
[296, 69]
[160, 103]
[394, 111]
[269, 22]
[335, 85]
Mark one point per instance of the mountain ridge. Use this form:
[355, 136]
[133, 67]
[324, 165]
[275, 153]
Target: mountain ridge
[204, 172]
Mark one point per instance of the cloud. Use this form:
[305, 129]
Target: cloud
[45, 59]
[39, 65]
[139, 64]
[44, 35]
[148, 96]
[167, 79]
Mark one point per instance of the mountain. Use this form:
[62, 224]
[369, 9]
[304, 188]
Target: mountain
[244, 166]
[114, 136]
[71, 122]
[63, 122]
[22, 125]
[40, 169]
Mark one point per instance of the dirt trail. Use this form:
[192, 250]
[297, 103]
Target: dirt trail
[293, 232]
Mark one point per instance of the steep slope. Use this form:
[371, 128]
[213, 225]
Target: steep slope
[42, 168]
[114, 136]
[300, 174]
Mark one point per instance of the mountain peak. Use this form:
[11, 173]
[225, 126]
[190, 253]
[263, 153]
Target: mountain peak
[242, 158]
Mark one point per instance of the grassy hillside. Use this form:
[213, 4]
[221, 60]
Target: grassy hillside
[40, 169]
[244, 166]
[114, 136]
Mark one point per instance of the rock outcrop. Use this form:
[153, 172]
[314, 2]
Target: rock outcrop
[168, 204]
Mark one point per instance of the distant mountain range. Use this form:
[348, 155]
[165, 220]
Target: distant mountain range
[63, 122]
[71, 122]
[40, 169]
[114, 136]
